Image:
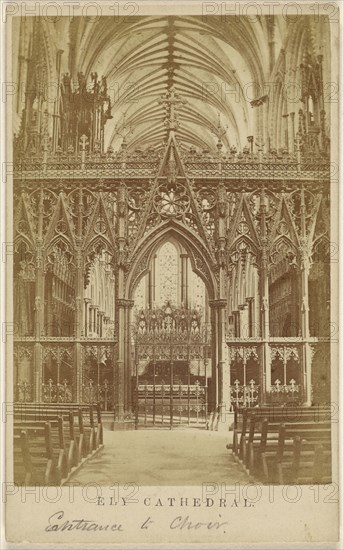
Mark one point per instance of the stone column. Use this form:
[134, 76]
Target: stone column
[79, 324]
[184, 282]
[79, 301]
[38, 373]
[219, 306]
[95, 319]
[39, 304]
[120, 373]
[121, 306]
[101, 321]
[214, 395]
[87, 315]
[79, 372]
[250, 317]
[128, 362]
[304, 313]
[265, 377]
[272, 44]
[286, 130]
[224, 368]
[56, 100]
[90, 318]
[151, 283]
[122, 383]
[221, 370]
[292, 118]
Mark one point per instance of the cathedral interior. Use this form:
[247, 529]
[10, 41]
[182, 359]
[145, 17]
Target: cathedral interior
[171, 213]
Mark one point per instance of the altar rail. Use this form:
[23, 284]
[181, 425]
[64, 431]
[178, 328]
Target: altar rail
[170, 405]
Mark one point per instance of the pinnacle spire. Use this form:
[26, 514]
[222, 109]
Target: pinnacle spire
[219, 131]
[124, 129]
[172, 102]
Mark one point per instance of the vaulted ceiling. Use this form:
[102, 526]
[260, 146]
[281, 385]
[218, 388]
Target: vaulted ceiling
[216, 66]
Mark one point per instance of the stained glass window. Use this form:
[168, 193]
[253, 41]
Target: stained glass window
[167, 275]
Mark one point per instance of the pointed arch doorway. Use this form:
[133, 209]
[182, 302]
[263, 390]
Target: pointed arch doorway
[171, 341]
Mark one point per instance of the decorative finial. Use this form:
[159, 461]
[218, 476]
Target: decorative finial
[124, 130]
[219, 132]
[172, 102]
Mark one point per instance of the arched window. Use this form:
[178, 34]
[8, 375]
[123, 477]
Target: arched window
[170, 279]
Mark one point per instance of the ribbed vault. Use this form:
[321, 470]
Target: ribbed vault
[210, 64]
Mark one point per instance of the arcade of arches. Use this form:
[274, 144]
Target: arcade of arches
[172, 213]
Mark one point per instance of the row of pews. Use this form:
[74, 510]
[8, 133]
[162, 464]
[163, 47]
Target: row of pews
[277, 445]
[52, 440]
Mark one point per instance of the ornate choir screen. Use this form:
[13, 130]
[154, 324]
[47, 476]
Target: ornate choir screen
[118, 225]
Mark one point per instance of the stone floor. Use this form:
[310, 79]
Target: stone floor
[162, 457]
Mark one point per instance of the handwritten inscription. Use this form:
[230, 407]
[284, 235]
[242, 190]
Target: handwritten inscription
[56, 522]
[184, 523]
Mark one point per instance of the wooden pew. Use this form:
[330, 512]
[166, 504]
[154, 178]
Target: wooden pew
[310, 460]
[56, 441]
[22, 464]
[250, 433]
[92, 435]
[265, 445]
[260, 442]
[274, 457]
[37, 465]
[321, 457]
[73, 435]
[41, 410]
[67, 433]
[89, 431]
[273, 414]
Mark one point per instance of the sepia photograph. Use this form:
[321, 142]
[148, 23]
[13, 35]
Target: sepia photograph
[172, 249]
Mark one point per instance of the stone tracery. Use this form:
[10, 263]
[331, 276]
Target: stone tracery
[99, 178]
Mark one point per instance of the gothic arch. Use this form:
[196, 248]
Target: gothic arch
[184, 106]
[322, 249]
[96, 247]
[282, 248]
[278, 101]
[200, 260]
[22, 244]
[59, 248]
[99, 242]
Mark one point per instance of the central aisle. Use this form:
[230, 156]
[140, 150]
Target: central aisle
[162, 457]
